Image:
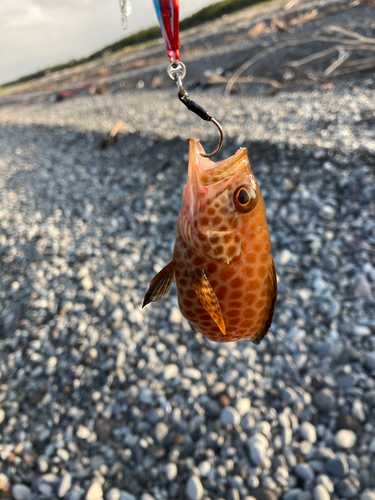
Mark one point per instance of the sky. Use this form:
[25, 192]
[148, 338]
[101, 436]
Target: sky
[36, 34]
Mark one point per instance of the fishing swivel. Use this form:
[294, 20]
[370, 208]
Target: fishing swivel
[176, 72]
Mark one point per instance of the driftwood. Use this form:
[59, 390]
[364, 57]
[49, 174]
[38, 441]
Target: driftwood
[342, 65]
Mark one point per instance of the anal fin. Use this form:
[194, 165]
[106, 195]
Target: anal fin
[207, 297]
[160, 286]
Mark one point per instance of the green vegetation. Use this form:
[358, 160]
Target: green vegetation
[204, 15]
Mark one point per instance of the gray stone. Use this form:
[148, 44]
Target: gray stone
[194, 488]
[370, 360]
[252, 481]
[337, 467]
[289, 395]
[305, 472]
[170, 372]
[65, 485]
[349, 487]
[113, 494]
[308, 432]
[320, 493]
[171, 471]
[125, 495]
[347, 380]
[45, 489]
[363, 288]
[161, 432]
[368, 495]
[95, 492]
[345, 439]
[361, 331]
[230, 415]
[204, 468]
[192, 373]
[326, 482]
[233, 494]
[325, 400]
[21, 492]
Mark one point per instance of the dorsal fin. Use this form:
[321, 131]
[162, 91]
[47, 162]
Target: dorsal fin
[160, 286]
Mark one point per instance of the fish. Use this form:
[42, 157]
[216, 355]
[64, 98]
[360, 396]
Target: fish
[222, 262]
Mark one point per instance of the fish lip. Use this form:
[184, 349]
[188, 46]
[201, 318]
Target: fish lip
[199, 164]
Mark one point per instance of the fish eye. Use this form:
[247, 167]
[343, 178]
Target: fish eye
[245, 198]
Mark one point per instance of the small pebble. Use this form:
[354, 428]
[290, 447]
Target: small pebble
[95, 492]
[345, 439]
[21, 492]
[194, 488]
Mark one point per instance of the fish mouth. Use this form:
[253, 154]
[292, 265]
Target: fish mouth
[203, 172]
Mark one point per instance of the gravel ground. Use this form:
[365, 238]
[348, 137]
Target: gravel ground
[102, 399]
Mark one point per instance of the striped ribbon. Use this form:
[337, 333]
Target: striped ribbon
[168, 17]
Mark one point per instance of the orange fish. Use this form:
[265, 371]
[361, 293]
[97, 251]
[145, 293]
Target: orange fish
[222, 261]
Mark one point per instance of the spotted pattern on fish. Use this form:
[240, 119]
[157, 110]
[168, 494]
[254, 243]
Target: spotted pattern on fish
[222, 261]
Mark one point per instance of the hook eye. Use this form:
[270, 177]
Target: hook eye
[210, 155]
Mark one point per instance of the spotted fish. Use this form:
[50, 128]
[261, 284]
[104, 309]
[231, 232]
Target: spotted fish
[222, 261]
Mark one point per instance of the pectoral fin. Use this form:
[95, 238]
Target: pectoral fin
[160, 286]
[207, 297]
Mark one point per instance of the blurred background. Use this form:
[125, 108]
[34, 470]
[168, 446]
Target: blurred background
[39, 34]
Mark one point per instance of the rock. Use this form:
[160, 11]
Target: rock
[337, 467]
[345, 439]
[347, 380]
[358, 411]
[4, 483]
[326, 482]
[370, 360]
[368, 495]
[2, 416]
[233, 494]
[325, 400]
[65, 485]
[204, 468]
[349, 487]
[161, 432]
[320, 493]
[191, 373]
[361, 331]
[171, 471]
[127, 496]
[346, 421]
[21, 492]
[230, 415]
[264, 494]
[194, 488]
[170, 372]
[113, 494]
[308, 432]
[252, 482]
[289, 395]
[363, 288]
[95, 492]
[243, 405]
[83, 432]
[305, 472]
[45, 489]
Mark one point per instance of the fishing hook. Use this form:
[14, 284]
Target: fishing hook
[176, 72]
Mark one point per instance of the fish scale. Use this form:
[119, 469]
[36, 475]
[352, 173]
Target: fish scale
[222, 261]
